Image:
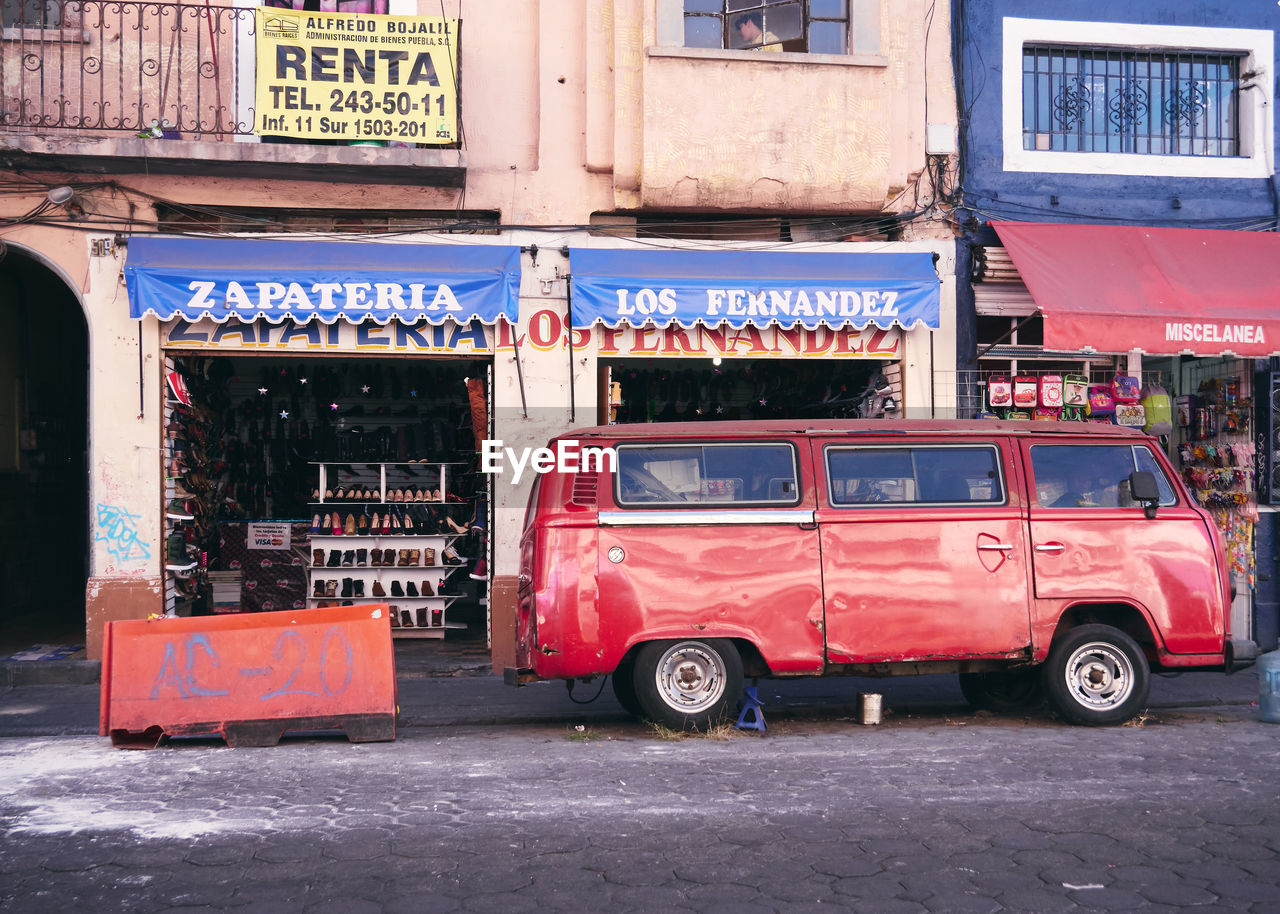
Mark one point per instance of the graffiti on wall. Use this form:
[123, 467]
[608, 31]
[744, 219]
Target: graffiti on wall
[118, 529]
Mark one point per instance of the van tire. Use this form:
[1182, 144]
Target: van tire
[1003, 691]
[624, 686]
[1096, 675]
[687, 684]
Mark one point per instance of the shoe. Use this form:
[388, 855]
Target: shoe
[396, 589]
[330, 588]
[362, 558]
[315, 525]
[177, 510]
[348, 558]
[317, 558]
[337, 524]
[415, 557]
[350, 528]
[410, 589]
[379, 590]
[375, 524]
[375, 558]
[386, 524]
[396, 528]
[402, 558]
[319, 589]
[408, 524]
[395, 616]
[339, 493]
[346, 587]
[423, 621]
[335, 559]
[445, 589]
[326, 526]
[362, 526]
[480, 572]
[426, 589]
[455, 526]
[357, 585]
[452, 558]
[406, 618]
[428, 557]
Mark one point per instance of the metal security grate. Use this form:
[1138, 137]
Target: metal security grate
[1147, 102]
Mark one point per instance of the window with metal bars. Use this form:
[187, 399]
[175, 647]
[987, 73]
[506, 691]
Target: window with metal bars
[805, 26]
[1147, 102]
[37, 14]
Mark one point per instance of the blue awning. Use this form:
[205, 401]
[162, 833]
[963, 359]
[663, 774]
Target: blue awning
[762, 288]
[240, 278]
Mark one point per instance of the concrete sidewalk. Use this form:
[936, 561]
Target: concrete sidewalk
[64, 709]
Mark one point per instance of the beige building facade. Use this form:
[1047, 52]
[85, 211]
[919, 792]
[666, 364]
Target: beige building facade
[584, 126]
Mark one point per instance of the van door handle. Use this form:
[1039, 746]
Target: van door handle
[996, 547]
[1050, 547]
[808, 525]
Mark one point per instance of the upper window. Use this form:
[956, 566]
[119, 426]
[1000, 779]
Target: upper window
[1111, 98]
[699, 474]
[812, 26]
[933, 475]
[1115, 100]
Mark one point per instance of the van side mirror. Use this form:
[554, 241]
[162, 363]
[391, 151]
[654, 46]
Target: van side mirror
[1143, 489]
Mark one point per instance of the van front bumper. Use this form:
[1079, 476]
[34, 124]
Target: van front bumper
[1240, 654]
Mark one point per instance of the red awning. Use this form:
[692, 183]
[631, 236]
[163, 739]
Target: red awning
[1164, 291]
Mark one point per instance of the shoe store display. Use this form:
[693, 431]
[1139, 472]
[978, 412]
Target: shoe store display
[348, 558]
[362, 558]
[396, 589]
[480, 571]
[410, 589]
[378, 589]
[451, 557]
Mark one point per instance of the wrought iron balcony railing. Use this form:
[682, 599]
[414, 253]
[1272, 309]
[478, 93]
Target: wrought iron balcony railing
[102, 67]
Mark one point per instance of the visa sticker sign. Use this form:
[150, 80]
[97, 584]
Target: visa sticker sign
[269, 536]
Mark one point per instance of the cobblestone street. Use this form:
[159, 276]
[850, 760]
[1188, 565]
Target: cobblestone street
[935, 810]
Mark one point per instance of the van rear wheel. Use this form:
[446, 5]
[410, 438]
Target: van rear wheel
[1003, 691]
[1097, 675]
[687, 684]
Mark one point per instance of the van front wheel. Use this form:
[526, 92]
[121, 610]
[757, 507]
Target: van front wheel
[687, 684]
[1097, 675]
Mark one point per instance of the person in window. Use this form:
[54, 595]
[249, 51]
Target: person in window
[753, 34]
[1080, 492]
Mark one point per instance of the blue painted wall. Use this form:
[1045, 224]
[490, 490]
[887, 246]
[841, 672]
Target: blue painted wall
[1025, 196]
[989, 192]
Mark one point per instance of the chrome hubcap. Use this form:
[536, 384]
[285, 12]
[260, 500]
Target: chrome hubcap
[691, 677]
[1099, 676]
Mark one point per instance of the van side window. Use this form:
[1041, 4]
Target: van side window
[700, 474]
[1092, 475]
[918, 475]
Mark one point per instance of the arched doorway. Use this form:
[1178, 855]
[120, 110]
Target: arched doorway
[44, 549]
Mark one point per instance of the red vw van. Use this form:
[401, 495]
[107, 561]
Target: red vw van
[1037, 558]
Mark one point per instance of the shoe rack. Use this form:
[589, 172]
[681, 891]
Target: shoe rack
[383, 532]
[185, 560]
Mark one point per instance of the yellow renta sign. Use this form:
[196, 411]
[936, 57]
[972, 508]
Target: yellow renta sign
[357, 77]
